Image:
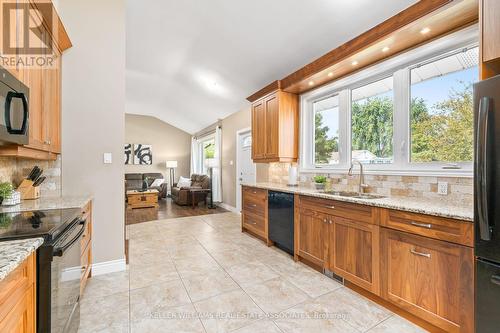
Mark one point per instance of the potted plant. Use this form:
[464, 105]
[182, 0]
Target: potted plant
[319, 182]
[6, 190]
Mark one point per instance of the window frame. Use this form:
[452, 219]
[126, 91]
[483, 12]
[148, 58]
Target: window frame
[314, 132]
[399, 67]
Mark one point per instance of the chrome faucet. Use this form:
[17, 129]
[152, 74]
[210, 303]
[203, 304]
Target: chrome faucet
[362, 184]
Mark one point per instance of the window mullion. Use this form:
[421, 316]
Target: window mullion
[401, 121]
[345, 127]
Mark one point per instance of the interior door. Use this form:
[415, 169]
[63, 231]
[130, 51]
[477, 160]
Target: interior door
[245, 168]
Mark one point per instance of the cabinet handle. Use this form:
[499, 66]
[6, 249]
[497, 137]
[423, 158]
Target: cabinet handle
[254, 205]
[324, 221]
[427, 255]
[254, 192]
[251, 222]
[327, 206]
[421, 225]
[330, 222]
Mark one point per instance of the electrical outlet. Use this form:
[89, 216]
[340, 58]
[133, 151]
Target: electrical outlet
[443, 188]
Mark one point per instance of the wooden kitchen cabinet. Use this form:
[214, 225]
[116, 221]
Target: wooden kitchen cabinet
[45, 92]
[254, 215]
[489, 20]
[86, 246]
[275, 121]
[429, 278]
[312, 236]
[17, 298]
[353, 252]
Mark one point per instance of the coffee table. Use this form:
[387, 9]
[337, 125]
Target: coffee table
[138, 199]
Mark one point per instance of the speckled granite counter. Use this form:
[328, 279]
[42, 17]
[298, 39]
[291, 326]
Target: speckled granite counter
[48, 203]
[417, 205]
[13, 253]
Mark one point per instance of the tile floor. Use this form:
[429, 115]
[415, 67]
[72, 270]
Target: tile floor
[201, 274]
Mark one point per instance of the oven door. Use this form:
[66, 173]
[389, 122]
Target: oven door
[66, 273]
[14, 113]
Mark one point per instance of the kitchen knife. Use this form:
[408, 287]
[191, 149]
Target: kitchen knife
[32, 173]
[39, 181]
[37, 174]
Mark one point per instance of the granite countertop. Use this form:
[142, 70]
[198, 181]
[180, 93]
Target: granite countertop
[48, 203]
[417, 205]
[13, 253]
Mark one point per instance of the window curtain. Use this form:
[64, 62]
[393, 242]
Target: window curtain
[217, 174]
[195, 156]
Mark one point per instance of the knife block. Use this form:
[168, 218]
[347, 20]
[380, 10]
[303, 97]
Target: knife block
[28, 191]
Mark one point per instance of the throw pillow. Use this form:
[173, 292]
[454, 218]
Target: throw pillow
[184, 182]
[157, 182]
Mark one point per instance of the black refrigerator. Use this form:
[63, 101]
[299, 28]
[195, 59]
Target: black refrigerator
[487, 204]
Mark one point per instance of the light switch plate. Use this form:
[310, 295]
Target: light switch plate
[443, 188]
[108, 158]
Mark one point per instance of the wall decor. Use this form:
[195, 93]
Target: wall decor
[143, 154]
[128, 154]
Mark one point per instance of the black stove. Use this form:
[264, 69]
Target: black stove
[48, 224]
[59, 268]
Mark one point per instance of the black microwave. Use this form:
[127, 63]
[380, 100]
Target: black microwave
[14, 122]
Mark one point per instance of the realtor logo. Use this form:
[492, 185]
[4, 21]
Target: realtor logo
[27, 34]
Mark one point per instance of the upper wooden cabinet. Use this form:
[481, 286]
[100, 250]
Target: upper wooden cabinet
[490, 38]
[44, 85]
[275, 128]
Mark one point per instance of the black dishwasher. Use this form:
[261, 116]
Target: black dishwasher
[281, 220]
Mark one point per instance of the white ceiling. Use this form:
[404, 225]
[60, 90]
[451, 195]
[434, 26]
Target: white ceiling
[192, 62]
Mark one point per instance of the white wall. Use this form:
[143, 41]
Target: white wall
[93, 104]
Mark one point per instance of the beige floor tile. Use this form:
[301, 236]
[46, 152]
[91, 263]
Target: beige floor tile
[195, 265]
[105, 314]
[361, 313]
[183, 251]
[228, 311]
[396, 324]
[175, 320]
[251, 272]
[212, 283]
[275, 295]
[231, 257]
[143, 276]
[263, 326]
[313, 317]
[153, 300]
[107, 284]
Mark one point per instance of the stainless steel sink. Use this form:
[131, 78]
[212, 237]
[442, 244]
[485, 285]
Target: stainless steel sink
[354, 195]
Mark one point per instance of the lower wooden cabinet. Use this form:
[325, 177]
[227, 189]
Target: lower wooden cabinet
[86, 246]
[312, 236]
[255, 212]
[17, 298]
[429, 278]
[354, 252]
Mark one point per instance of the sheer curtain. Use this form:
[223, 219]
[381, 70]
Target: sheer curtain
[217, 174]
[195, 156]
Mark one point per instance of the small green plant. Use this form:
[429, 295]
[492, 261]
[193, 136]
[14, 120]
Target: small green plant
[320, 179]
[5, 221]
[6, 190]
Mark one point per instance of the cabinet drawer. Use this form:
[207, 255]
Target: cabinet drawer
[455, 231]
[254, 193]
[254, 223]
[255, 206]
[360, 213]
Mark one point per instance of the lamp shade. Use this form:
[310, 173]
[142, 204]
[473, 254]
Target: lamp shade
[212, 163]
[171, 164]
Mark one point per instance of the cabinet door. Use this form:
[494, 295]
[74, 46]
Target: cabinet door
[258, 130]
[52, 106]
[21, 317]
[429, 278]
[272, 126]
[353, 252]
[490, 14]
[12, 29]
[312, 236]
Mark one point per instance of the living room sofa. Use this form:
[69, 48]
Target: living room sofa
[182, 195]
[133, 181]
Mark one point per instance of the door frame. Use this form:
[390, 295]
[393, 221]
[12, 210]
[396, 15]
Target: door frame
[239, 133]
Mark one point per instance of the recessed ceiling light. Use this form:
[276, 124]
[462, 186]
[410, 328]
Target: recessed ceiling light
[354, 63]
[330, 74]
[425, 30]
[385, 49]
[311, 83]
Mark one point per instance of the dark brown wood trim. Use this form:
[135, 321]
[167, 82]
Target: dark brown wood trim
[276, 85]
[367, 38]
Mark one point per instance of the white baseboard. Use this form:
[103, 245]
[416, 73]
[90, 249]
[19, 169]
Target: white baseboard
[107, 267]
[228, 207]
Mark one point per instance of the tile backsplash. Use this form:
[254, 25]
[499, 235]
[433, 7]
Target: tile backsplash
[14, 170]
[460, 189]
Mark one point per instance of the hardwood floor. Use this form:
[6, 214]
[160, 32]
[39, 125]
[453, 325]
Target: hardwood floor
[167, 210]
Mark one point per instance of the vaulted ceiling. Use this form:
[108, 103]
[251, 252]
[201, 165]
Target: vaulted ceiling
[192, 62]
